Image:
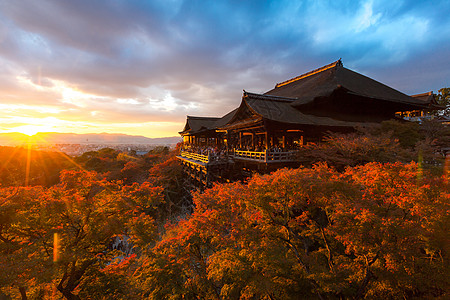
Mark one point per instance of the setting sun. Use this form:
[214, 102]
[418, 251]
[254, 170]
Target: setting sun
[31, 130]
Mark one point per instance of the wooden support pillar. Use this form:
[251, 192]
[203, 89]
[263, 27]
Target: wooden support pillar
[240, 139]
[226, 141]
[266, 140]
[253, 140]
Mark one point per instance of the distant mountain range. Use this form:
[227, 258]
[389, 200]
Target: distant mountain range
[15, 138]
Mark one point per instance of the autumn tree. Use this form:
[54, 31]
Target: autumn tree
[390, 230]
[62, 236]
[102, 161]
[391, 141]
[373, 231]
[133, 171]
[168, 175]
[212, 254]
[341, 150]
[435, 131]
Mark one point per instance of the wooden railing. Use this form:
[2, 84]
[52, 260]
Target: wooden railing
[199, 157]
[266, 156]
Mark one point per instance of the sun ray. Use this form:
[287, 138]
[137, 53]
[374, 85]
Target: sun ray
[39, 156]
[35, 154]
[27, 168]
[5, 163]
[69, 158]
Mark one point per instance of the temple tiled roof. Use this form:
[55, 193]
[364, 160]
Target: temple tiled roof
[198, 124]
[225, 119]
[324, 81]
[278, 110]
[429, 99]
[330, 96]
[425, 97]
[202, 124]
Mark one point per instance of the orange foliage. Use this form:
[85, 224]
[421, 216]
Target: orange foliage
[88, 213]
[374, 230]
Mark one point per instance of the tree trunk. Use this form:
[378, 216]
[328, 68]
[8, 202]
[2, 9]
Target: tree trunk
[68, 295]
[72, 278]
[364, 284]
[23, 292]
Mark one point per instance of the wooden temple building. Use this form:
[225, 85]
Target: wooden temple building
[266, 130]
[421, 114]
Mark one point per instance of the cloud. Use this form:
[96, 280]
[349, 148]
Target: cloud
[153, 61]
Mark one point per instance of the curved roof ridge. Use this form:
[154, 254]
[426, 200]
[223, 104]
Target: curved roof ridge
[269, 97]
[201, 118]
[321, 69]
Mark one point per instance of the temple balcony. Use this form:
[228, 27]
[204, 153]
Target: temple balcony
[206, 169]
[234, 165]
[254, 156]
[266, 156]
[194, 157]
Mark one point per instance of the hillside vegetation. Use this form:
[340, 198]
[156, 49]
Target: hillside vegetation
[367, 217]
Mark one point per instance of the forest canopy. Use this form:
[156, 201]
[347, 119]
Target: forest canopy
[367, 217]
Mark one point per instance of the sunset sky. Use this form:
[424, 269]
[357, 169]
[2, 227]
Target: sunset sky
[139, 67]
